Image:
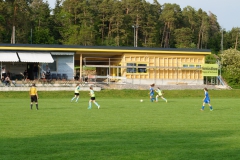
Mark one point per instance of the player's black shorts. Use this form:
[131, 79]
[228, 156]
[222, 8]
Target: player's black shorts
[93, 98]
[34, 98]
[77, 94]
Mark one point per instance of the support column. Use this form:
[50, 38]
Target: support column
[80, 75]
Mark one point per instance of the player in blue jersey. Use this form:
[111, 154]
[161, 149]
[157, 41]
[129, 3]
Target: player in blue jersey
[160, 94]
[76, 93]
[92, 99]
[151, 92]
[206, 100]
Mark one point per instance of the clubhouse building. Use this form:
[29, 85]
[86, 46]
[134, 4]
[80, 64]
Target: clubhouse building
[135, 65]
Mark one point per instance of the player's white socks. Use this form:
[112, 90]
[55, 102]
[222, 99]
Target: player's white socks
[96, 103]
[72, 99]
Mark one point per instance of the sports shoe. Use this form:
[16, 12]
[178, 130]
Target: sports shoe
[89, 108]
[98, 107]
[201, 110]
[166, 101]
[211, 109]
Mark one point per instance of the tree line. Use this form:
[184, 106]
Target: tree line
[112, 23]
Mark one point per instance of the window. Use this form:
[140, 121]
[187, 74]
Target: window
[142, 70]
[191, 66]
[198, 66]
[132, 69]
[136, 68]
[52, 66]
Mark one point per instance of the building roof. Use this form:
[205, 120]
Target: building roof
[99, 49]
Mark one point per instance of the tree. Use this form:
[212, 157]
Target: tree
[231, 66]
[183, 37]
[104, 13]
[40, 20]
[203, 29]
[170, 16]
[149, 25]
[234, 33]
[17, 15]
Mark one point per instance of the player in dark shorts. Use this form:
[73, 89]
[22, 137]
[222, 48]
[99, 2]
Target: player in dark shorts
[92, 99]
[33, 96]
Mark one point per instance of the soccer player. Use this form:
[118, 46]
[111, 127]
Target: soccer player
[76, 93]
[151, 93]
[206, 100]
[160, 94]
[92, 99]
[33, 95]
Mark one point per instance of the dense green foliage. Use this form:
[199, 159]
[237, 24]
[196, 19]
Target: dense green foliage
[110, 23]
[123, 128]
[231, 67]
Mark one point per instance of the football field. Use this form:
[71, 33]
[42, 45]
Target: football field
[123, 128]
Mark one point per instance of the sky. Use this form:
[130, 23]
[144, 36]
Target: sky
[223, 9]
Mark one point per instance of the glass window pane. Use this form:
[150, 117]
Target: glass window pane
[191, 66]
[133, 69]
[142, 70]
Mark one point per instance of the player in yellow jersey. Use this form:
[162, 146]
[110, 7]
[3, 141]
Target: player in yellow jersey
[33, 95]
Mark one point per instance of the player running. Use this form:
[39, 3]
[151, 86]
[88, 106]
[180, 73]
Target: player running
[160, 94]
[76, 93]
[92, 99]
[151, 92]
[206, 100]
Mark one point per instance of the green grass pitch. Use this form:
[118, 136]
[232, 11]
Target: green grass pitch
[123, 128]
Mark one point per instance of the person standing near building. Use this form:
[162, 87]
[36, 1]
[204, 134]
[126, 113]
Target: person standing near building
[48, 72]
[3, 72]
[35, 71]
[206, 100]
[92, 99]
[33, 96]
[151, 92]
[76, 93]
[160, 94]
[25, 74]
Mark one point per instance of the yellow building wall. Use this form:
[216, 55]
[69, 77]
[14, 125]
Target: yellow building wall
[164, 66]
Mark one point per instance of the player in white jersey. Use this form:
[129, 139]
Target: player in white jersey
[160, 94]
[76, 93]
[92, 99]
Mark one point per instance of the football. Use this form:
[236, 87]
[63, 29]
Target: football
[141, 100]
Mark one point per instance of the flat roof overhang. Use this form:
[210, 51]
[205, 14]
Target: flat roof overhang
[101, 49]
